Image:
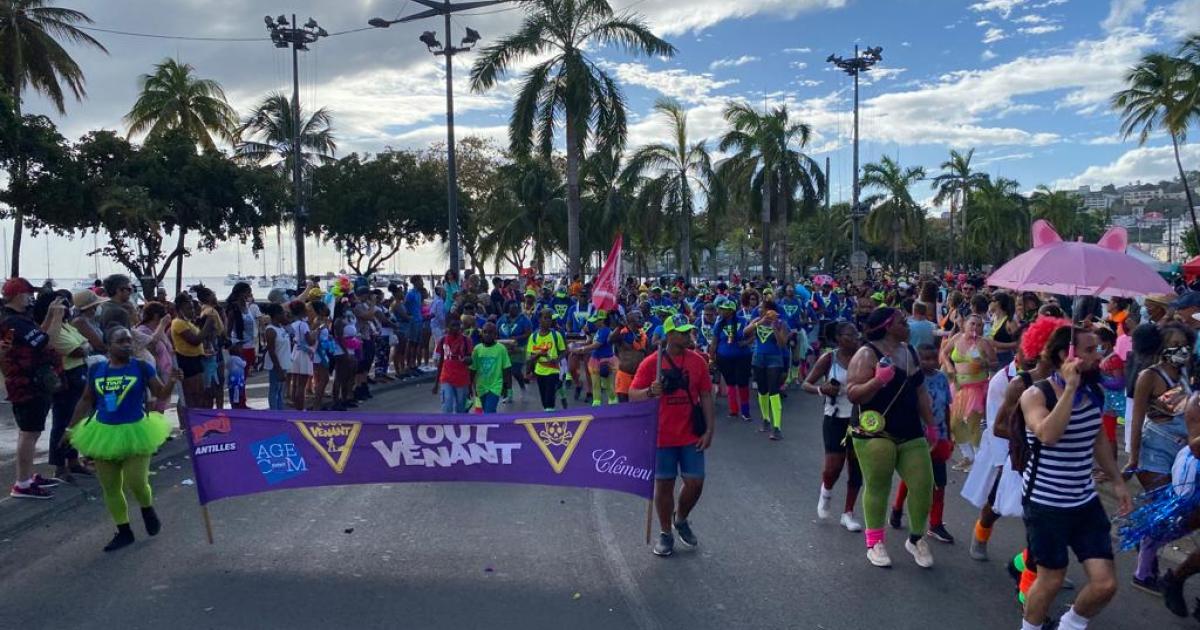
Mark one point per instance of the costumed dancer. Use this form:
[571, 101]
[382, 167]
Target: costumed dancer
[968, 356]
[833, 367]
[112, 427]
[770, 335]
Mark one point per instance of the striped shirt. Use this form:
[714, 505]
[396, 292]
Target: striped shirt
[1061, 474]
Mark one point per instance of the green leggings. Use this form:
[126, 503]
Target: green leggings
[878, 457]
[115, 476]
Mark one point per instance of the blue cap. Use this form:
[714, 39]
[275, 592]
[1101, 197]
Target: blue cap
[1191, 299]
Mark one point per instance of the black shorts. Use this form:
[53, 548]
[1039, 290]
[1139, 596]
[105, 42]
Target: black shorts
[735, 370]
[1050, 532]
[368, 358]
[190, 366]
[833, 430]
[31, 414]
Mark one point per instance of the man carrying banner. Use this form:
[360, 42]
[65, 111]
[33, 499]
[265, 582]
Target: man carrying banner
[679, 378]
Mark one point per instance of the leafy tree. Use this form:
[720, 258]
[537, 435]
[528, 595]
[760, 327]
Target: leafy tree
[527, 213]
[997, 209]
[607, 201]
[30, 31]
[172, 97]
[1060, 208]
[566, 85]
[372, 207]
[683, 170]
[955, 184]
[895, 217]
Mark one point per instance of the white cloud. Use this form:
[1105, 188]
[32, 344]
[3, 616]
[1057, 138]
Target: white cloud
[1032, 18]
[797, 51]
[993, 35]
[670, 18]
[733, 63]
[1106, 140]
[1148, 164]
[987, 55]
[1003, 7]
[1180, 19]
[906, 44]
[1040, 30]
[798, 65]
[1121, 12]
[982, 23]
[808, 83]
[676, 83]
[1049, 3]
[1004, 158]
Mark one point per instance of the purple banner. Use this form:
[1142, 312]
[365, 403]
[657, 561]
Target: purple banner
[237, 452]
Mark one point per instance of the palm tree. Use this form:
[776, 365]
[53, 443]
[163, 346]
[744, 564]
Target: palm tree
[998, 209]
[895, 216]
[769, 167]
[29, 36]
[683, 169]
[569, 86]
[173, 98]
[270, 128]
[1161, 95]
[1059, 207]
[528, 212]
[955, 185]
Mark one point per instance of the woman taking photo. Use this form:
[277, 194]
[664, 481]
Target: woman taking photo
[243, 329]
[153, 332]
[74, 349]
[111, 426]
[188, 341]
[834, 368]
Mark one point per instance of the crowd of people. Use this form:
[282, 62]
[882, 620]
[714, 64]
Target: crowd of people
[1033, 397]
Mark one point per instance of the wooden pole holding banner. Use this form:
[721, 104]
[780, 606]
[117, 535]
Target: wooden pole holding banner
[649, 518]
[658, 378]
[207, 523]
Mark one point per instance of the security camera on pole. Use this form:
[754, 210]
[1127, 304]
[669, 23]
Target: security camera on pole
[861, 62]
[298, 38]
[429, 38]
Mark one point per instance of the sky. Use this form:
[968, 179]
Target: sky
[1025, 82]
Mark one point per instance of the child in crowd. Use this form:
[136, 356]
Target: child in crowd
[940, 446]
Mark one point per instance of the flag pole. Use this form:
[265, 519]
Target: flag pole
[181, 409]
[649, 518]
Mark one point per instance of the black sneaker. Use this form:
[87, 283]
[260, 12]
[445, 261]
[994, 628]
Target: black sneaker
[150, 518]
[776, 434]
[684, 529]
[665, 545]
[939, 533]
[766, 426]
[746, 417]
[124, 538]
[1150, 585]
[895, 520]
[1172, 594]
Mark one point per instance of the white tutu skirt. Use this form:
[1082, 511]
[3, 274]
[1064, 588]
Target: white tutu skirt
[302, 363]
[991, 462]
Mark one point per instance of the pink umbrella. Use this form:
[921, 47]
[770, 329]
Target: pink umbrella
[1078, 268]
[821, 280]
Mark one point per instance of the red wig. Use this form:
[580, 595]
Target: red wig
[1038, 333]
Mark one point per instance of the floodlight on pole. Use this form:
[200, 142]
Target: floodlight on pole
[445, 8]
[854, 66]
[297, 38]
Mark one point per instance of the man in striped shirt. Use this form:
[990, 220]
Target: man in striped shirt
[1062, 510]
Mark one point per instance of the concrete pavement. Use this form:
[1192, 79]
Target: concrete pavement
[483, 555]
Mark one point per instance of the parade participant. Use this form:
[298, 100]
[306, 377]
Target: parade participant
[940, 449]
[833, 367]
[895, 424]
[770, 335]
[678, 377]
[993, 485]
[544, 350]
[413, 302]
[453, 379]
[74, 349]
[968, 357]
[601, 360]
[243, 330]
[631, 345]
[1062, 510]
[1005, 331]
[154, 328]
[278, 356]
[304, 340]
[490, 368]
[111, 427]
[326, 352]
[920, 329]
[209, 311]
[749, 310]
[515, 327]
[188, 340]
[575, 323]
[1158, 429]
[951, 321]
[793, 316]
[731, 350]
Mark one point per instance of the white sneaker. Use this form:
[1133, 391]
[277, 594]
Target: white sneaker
[878, 555]
[920, 552]
[850, 524]
[825, 498]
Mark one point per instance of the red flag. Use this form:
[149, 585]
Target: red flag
[604, 292]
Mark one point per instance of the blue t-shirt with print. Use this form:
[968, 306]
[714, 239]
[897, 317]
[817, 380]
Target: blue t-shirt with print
[939, 398]
[120, 391]
[727, 335]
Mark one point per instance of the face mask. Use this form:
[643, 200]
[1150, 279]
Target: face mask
[1177, 355]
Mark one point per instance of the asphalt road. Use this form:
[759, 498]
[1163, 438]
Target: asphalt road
[506, 556]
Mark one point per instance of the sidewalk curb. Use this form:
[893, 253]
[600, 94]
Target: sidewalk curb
[17, 515]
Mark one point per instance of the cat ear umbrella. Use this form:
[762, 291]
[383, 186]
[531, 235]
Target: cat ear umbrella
[1102, 269]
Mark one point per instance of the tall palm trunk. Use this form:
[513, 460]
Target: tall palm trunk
[766, 225]
[179, 260]
[1187, 190]
[574, 203]
[785, 266]
[895, 244]
[17, 178]
[685, 247]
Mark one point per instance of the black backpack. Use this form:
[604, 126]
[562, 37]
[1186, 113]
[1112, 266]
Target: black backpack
[1019, 450]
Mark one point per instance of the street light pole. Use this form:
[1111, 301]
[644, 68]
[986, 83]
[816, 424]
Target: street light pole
[445, 8]
[297, 38]
[861, 62]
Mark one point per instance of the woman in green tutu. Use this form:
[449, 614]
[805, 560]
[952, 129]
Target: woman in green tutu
[112, 427]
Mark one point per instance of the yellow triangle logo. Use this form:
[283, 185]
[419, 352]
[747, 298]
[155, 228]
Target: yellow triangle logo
[333, 440]
[551, 434]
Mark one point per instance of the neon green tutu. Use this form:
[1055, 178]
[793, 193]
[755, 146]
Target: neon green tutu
[119, 441]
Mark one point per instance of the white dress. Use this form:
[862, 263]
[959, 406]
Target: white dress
[991, 461]
[302, 353]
